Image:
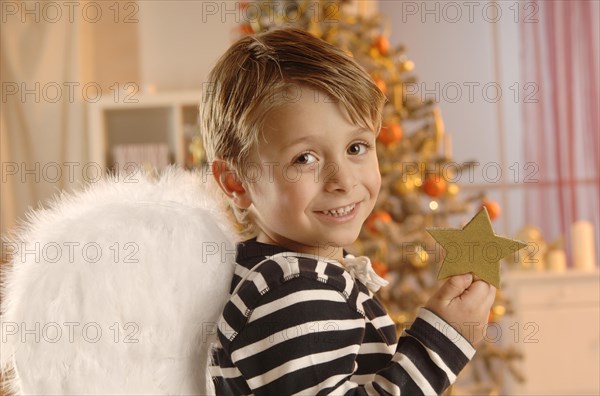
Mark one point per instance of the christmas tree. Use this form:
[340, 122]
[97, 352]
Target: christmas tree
[416, 167]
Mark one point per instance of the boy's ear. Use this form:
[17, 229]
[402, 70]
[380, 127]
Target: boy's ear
[230, 183]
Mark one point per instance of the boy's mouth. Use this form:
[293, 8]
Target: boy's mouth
[341, 211]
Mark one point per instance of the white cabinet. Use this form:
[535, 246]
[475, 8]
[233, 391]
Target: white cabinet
[556, 327]
[159, 121]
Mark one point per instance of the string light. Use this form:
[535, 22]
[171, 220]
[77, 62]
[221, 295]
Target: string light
[433, 205]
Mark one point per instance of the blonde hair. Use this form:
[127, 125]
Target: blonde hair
[255, 76]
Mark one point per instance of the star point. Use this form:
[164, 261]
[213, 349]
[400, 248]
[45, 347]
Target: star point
[475, 248]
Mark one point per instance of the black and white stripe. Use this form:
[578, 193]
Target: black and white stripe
[297, 324]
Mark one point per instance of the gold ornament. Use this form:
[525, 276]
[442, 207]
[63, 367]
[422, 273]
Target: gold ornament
[452, 190]
[385, 168]
[438, 125]
[400, 318]
[315, 29]
[474, 249]
[419, 257]
[196, 148]
[405, 185]
[407, 65]
[499, 311]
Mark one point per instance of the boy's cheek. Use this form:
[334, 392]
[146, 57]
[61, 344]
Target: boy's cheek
[376, 180]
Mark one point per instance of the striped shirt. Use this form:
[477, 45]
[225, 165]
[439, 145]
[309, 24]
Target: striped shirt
[300, 324]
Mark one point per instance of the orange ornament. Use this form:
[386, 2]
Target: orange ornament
[390, 133]
[434, 186]
[380, 268]
[380, 216]
[380, 82]
[246, 29]
[493, 208]
[382, 44]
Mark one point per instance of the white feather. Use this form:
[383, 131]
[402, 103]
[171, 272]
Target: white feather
[147, 261]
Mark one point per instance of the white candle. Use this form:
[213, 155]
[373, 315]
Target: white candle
[583, 246]
[556, 260]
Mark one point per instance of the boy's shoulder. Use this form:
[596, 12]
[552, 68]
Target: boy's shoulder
[262, 267]
[274, 273]
[277, 269]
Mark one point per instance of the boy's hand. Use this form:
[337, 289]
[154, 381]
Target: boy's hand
[465, 304]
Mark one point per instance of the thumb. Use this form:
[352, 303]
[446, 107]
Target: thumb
[454, 286]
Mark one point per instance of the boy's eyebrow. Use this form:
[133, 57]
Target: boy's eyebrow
[356, 132]
[361, 131]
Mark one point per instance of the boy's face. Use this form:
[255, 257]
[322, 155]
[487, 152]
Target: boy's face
[313, 179]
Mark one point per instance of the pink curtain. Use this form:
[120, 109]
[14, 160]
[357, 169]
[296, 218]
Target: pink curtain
[560, 56]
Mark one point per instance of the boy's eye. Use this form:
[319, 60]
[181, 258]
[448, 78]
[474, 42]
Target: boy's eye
[357, 148]
[305, 158]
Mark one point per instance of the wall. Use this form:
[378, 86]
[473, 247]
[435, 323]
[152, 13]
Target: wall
[181, 40]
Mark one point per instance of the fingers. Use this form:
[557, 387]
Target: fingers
[481, 292]
[455, 286]
[482, 288]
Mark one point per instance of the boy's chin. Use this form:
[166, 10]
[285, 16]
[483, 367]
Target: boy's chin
[344, 240]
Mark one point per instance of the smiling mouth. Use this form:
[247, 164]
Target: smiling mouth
[339, 212]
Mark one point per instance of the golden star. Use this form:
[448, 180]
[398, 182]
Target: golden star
[474, 249]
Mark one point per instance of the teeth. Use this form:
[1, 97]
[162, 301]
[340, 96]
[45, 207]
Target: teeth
[340, 211]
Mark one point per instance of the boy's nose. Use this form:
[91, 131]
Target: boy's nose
[339, 177]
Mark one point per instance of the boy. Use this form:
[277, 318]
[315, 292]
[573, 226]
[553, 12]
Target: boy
[290, 127]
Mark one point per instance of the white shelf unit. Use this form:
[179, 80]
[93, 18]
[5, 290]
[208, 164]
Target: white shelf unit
[556, 326]
[144, 118]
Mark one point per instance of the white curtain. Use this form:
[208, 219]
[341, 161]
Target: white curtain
[42, 117]
[562, 121]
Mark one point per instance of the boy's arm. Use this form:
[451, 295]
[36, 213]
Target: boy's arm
[304, 338]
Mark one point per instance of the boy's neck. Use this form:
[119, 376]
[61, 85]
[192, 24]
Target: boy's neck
[326, 251]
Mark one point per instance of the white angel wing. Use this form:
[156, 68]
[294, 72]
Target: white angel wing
[117, 289]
